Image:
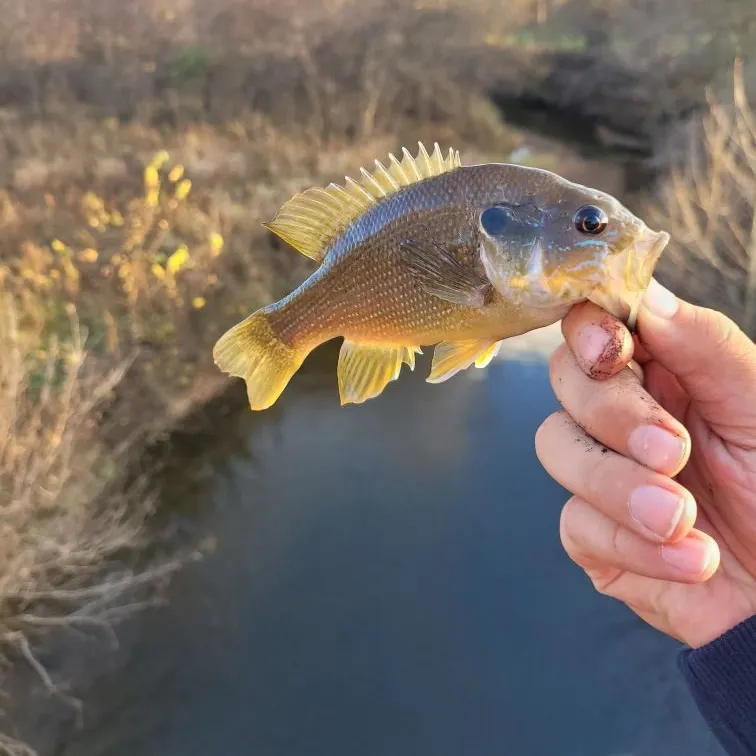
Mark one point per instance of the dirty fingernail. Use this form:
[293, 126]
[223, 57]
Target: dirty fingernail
[656, 509]
[659, 300]
[592, 342]
[691, 556]
[656, 448]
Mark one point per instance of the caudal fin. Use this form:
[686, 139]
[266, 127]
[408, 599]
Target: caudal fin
[252, 351]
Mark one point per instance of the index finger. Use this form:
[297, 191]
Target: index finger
[602, 344]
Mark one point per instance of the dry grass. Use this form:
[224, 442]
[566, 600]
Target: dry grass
[708, 204]
[70, 524]
[152, 247]
[352, 69]
[12, 747]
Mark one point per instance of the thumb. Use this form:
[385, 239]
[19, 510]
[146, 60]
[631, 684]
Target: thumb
[713, 360]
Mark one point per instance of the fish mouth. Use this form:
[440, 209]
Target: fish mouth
[647, 250]
[629, 274]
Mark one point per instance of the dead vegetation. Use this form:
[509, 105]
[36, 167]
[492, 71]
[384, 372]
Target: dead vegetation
[351, 69]
[708, 204]
[71, 525]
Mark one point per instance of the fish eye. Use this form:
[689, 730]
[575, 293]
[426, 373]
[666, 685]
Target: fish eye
[494, 220]
[590, 219]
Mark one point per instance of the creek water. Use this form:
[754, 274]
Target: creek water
[387, 580]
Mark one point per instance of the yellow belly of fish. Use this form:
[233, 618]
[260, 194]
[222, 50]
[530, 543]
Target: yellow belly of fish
[385, 320]
[377, 344]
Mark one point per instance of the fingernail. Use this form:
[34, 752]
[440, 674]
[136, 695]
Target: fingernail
[656, 509]
[660, 301]
[656, 448]
[691, 556]
[592, 342]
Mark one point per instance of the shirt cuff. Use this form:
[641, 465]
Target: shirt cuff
[722, 678]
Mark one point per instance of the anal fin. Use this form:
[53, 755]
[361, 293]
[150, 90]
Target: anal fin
[484, 358]
[449, 358]
[365, 369]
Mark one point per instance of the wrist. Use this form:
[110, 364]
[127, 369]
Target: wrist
[721, 676]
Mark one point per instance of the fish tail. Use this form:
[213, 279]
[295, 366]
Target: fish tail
[251, 350]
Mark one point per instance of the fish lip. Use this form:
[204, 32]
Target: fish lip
[633, 270]
[648, 249]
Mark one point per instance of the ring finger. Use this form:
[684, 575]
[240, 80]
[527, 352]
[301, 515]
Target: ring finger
[602, 547]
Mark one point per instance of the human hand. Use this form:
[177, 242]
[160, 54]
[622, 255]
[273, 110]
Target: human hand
[660, 454]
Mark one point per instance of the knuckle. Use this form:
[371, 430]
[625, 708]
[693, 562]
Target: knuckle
[604, 580]
[614, 536]
[716, 327]
[595, 475]
[599, 407]
[597, 404]
[597, 558]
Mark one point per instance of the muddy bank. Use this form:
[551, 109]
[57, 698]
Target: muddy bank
[618, 108]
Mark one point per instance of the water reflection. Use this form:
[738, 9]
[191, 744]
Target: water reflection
[388, 581]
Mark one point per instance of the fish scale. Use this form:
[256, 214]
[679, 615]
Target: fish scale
[407, 260]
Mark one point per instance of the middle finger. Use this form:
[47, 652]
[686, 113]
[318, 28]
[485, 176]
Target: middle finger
[621, 414]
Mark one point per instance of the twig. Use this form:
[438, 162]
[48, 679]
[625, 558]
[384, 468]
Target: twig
[72, 621]
[97, 591]
[11, 747]
[23, 645]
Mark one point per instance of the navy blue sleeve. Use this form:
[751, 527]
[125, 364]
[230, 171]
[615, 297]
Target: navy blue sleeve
[722, 678]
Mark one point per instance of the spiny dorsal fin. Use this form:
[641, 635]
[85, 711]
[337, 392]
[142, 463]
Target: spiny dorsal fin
[310, 220]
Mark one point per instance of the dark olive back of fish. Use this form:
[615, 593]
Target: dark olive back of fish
[470, 189]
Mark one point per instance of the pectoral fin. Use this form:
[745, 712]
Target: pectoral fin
[439, 273]
[451, 357]
[365, 369]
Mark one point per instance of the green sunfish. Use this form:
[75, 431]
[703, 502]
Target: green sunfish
[427, 251]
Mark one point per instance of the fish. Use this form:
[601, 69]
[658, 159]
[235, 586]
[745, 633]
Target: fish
[426, 251]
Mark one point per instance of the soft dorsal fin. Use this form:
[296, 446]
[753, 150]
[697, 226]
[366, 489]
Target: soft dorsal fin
[310, 220]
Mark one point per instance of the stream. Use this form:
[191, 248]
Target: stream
[387, 579]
